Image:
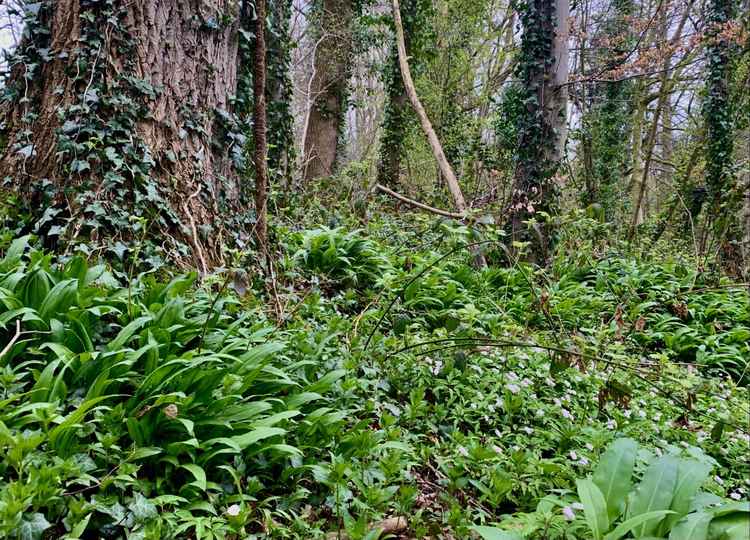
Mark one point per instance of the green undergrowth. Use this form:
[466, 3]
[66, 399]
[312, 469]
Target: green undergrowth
[398, 380]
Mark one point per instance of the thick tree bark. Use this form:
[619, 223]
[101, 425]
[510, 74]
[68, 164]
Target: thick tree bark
[328, 86]
[123, 116]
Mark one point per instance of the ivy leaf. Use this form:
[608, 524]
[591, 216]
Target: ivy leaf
[70, 126]
[142, 508]
[33, 527]
[27, 151]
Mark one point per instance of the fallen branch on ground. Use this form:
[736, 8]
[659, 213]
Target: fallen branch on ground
[418, 204]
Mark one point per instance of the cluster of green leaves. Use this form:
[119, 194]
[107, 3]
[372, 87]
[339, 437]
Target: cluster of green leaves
[148, 411]
[666, 503]
[346, 257]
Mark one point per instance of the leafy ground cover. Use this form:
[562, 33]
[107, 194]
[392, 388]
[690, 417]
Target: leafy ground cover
[399, 381]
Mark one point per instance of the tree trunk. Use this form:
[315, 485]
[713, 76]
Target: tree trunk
[397, 106]
[259, 128]
[115, 112]
[557, 108]
[328, 86]
[544, 73]
[437, 148]
[281, 152]
[720, 179]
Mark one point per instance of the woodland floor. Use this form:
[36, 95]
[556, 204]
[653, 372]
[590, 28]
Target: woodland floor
[398, 381]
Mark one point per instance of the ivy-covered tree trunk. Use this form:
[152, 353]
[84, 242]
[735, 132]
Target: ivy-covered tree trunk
[259, 128]
[280, 130]
[117, 113]
[333, 49]
[606, 124]
[397, 107]
[543, 66]
[718, 118]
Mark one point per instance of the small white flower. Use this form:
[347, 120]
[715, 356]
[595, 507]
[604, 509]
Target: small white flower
[540, 412]
[573, 455]
[568, 513]
[566, 414]
[233, 510]
[511, 376]
[589, 447]
[463, 451]
[719, 480]
[497, 449]
[611, 424]
[736, 496]
[528, 430]
[526, 382]
[513, 388]
[577, 506]
[583, 462]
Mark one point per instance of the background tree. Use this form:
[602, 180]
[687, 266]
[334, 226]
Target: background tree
[327, 96]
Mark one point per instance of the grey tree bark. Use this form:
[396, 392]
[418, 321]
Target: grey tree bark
[328, 88]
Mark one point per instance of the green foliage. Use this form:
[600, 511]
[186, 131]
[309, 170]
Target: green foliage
[153, 408]
[666, 502]
[347, 258]
[121, 401]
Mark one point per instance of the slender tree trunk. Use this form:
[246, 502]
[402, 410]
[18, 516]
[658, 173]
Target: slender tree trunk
[259, 128]
[437, 148]
[665, 91]
[118, 119]
[328, 86]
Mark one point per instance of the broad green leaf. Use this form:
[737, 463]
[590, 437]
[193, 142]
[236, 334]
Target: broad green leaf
[60, 435]
[198, 473]
[629, 524]
[79, 528]
[143, 453]
[730, 527]
[692, 527]
[729, 507]
[613, 475]
[33, 526]
[127, 332]
[257, 434]
[691, 474]
[59, 299]
[655, 492]
[594, 507]
[14, 253]
[493, 533]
